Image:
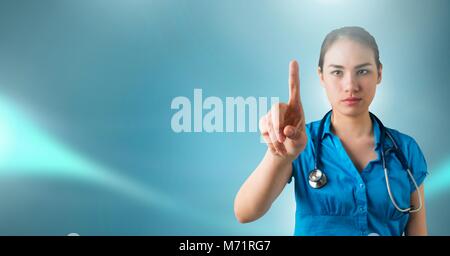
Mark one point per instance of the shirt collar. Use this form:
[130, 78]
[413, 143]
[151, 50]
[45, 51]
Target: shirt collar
[376, 132]
[327, 126]
[375, 126]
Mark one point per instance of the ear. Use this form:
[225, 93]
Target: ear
[319, 72]
[380, 73]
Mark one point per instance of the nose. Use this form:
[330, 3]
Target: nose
[350, 83]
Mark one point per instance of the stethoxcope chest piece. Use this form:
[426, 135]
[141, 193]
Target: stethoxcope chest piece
[317, 178]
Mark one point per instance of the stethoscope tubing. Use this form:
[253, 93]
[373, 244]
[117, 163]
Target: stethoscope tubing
[383, 133]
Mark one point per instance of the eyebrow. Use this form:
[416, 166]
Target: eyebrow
[358, 66]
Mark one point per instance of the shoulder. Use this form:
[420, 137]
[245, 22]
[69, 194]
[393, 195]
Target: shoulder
[412, 152]
[406, 142]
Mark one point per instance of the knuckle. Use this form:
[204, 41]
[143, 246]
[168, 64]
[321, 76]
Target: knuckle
[277, 106]
[269, 126]
[271, 148]
[278, 146]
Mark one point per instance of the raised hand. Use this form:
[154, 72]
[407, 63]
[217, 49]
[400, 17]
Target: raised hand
[283, 127]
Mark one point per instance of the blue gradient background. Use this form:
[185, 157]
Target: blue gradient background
[86, 86]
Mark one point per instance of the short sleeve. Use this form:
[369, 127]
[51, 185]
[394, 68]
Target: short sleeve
[292, 175]
[294, 165]
[294, 170]
[417, 164]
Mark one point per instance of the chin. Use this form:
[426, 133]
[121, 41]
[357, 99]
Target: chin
[351, 111]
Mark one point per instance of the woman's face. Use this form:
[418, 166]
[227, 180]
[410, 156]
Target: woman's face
[350, 76]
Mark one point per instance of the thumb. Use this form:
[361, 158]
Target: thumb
[291, 132]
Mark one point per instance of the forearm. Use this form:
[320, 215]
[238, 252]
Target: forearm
[262, 187]
[417, 230]
[417, 223]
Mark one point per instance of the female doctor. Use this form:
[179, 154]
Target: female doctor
[353, 176]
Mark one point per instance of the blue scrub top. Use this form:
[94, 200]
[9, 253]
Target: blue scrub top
[354, 203]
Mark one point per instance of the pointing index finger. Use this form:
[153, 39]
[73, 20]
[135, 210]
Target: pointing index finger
[294, 83]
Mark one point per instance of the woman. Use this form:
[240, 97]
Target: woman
[350, 195]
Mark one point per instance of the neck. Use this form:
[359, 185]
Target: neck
[351, 126]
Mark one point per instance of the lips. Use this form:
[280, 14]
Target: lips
[351, 100]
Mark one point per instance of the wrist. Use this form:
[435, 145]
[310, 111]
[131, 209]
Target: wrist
[279, 159]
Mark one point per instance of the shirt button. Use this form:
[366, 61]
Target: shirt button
[361, 185]
[362, 209]
[373, 234]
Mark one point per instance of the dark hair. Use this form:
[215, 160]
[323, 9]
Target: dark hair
[357, 34]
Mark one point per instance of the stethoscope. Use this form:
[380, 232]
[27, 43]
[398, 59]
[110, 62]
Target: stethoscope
[318, 179]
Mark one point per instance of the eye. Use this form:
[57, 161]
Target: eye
[336, 72]
[363, 72]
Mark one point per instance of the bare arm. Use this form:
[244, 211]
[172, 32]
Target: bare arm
[262, 187]
[283, 129]
[417, 223]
